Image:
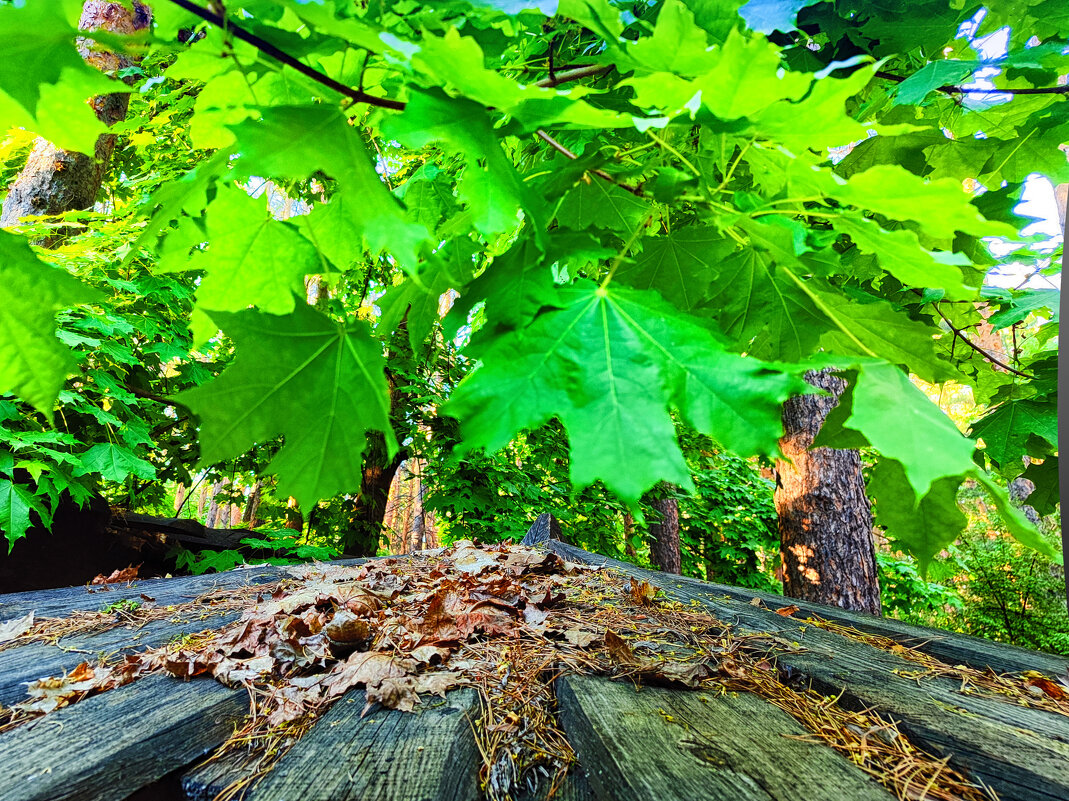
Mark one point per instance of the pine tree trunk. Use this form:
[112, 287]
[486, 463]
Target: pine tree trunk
[629, 533]
[664, 535]
[825, 519]
[179, 497]
[55, 181]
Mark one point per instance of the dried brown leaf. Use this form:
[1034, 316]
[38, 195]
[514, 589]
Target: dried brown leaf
[642, 593]
[118, 576]
[619, 650]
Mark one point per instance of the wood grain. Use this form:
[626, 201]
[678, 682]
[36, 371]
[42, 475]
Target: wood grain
[110, 745]
[426, 755]
[672, 745]
[1021, 753]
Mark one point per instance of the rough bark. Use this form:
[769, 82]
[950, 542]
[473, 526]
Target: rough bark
[55, 181]
[367, 511]
[252, 505]
[664, 535]
[825, 519]
[629, 532]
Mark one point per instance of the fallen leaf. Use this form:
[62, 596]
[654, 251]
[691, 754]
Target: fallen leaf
[787, 611]
[580, 638]
[619, 650]
[429, 654]
[347, 628]
[642, 593]
[370, 668]
[681, 674]
[118, 576]
[1049, 687]
[10, 629]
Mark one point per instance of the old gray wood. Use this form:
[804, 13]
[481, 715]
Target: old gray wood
[674, 745]
[167, 591]
[1021, 753]
[38, 660]
[108, 746]
[427, 755]
[954, 649]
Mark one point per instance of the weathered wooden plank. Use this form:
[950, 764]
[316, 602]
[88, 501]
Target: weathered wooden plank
[108, 746]
[38, 660]
[670, 745]
[954, 649]
[427, 755]
[1021, 753]
[167, 591]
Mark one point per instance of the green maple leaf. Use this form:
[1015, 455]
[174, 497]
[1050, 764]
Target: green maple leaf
[491, 186]
[114, 463]
[899, 420]
[923, 527]
[930, 77]
[676, 46]
[763, 310]
[46, 78]
[317, 382]
[610, 363]
[296, 142]
[681, 266]
[876, 329]
[1044, 498]
[16, 503]
[939, 207]
[595, 202]
[1007, 429]
[417, 299]
[33, 362]
[458, 62]
[901, 254]
[1025, 303]
[252, 259]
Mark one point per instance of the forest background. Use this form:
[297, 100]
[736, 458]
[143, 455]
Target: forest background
[441, 267]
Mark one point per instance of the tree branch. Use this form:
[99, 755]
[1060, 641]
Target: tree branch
[961, 90]
[634, 190]
[961, 335]
[576, 74]
[269, 49]
[356, 95]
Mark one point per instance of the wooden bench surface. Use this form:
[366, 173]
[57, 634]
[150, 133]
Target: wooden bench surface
[146, 740]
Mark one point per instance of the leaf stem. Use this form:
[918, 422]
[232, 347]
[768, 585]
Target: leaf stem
[623, 251]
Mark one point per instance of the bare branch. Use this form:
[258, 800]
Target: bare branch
[961, 90]
[269, 49]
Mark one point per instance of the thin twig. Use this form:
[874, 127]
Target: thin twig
[961, 90]
[634, 190]
[576, 74]
[279, 55]
[961, 335]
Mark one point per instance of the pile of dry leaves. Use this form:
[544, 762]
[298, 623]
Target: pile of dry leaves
[506, 620]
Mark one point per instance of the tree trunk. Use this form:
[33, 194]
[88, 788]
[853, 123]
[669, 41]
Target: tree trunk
[629, 532]
[367, 511]
[179, 497]
[252, 505]
[664, 535]
[55, 181]
[825, 519]
[294, 518]
[213, 508]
